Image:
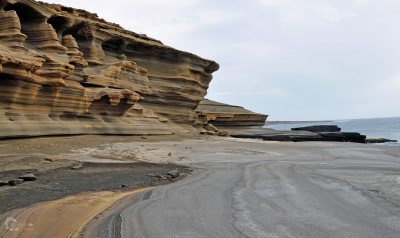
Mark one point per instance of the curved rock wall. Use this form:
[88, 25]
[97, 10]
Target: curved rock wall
[65, 71]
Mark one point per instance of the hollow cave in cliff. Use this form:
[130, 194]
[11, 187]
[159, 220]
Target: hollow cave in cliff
[59, 24]
[115, 45]
[28, 18]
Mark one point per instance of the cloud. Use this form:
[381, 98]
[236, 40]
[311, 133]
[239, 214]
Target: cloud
[389, 87]
[333, 14]
[264, 93]
[292, 59]
[299, 12]
[212, 16]
[273, 3]
[156, 18]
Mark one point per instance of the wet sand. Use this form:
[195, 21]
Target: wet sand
[60, 218]
[62, 200]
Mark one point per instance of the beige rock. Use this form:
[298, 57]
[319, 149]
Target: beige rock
[77, 167]
[224, 115]
[211, 133]
[203, 132]
[223, 133]
[65, 71]
[210, 127]
[51, 159]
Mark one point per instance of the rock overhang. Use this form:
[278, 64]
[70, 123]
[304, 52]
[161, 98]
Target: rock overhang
[66, 71]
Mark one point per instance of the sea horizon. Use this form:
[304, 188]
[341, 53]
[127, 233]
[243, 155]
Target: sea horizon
[330, 120]
[385, 127]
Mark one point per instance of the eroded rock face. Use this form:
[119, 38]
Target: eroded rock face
[65, 71]
[224, 115]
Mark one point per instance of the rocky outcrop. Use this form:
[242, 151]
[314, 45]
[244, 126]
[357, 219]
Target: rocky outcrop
[224, 115]
[65, 71]
[380, 140]
[317, 133]
[318, 128]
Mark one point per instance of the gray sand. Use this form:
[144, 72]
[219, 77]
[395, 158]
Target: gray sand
[93, 177]
[245, 188]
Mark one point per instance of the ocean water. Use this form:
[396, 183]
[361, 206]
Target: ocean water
[388, 128]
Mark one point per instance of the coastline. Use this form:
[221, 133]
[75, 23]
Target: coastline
[268, 123]
[373, 128]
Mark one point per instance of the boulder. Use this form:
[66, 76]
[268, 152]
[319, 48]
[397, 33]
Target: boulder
[28, 177]
[211, 127]
[173, 173]
[318, 128]
[203, 132]
[15, 182]
[3, 183]
[77, 167]
[51, 159]
[211, 133]
[223, 133]
[163, 177]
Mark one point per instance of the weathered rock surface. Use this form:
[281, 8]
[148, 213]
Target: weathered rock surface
[28, 177]
[318, 128]
[173, 173]
[379, 140]
[223, 115]
[77, 167]
[211, 127]
[3, 183]
[296, 135]
[65, 71]
[15, 182]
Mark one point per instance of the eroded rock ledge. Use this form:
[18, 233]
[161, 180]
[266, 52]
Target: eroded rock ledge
[65, 71]
[225, 115]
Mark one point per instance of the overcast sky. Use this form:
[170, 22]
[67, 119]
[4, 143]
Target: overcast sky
[291, 59]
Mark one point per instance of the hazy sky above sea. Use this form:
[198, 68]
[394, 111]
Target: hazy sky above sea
[291, 59]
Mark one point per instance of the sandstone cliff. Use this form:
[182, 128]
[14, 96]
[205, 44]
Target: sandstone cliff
[65, 71]
[225, 115]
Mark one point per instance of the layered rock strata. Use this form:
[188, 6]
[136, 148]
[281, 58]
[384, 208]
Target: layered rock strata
[318, 128]
[224, 115]
[318, 133]
[65, 71]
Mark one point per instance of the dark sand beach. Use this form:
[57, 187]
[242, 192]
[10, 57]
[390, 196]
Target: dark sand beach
[239, 188]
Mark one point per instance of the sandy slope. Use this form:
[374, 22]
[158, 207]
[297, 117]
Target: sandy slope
[61, 218]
